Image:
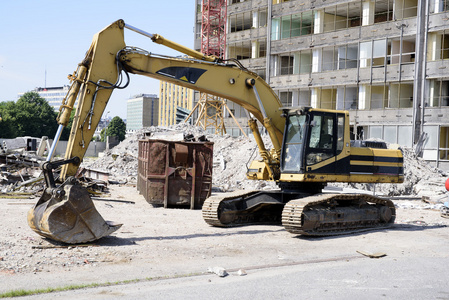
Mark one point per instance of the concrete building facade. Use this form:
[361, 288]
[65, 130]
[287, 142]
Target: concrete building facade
[142, 111]
[53, 95]
[386, 61]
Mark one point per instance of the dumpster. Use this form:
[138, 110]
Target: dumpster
[175, 174]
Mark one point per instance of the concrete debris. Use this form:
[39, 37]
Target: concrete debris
[445, 210]
[232, 156]
[218, 270]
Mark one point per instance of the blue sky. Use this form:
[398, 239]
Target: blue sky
[52, 37]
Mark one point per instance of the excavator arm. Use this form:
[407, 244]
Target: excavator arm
[109, 61]
[66, 213]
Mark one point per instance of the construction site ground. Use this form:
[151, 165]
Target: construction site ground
[156, 243]
[172, 253]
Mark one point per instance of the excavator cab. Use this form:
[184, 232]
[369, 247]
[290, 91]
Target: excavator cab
[313, 141]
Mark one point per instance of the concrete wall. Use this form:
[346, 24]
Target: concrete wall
[92, 151]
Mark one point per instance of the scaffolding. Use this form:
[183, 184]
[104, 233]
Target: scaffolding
[213, 42]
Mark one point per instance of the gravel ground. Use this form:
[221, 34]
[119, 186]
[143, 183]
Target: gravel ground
[179, 234]
[157, 242]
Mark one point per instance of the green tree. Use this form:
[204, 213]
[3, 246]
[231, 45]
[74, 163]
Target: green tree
[116, 128]
[34, 116]
[8, 130]
[103, 135]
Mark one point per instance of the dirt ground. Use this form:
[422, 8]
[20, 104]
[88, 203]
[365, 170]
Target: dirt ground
[158, 242]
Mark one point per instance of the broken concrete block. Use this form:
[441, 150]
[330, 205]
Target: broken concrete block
[218, 270]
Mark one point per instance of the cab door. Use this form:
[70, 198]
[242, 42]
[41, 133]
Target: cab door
[325, 142]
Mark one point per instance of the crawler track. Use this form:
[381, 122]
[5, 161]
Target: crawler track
[336, 214]
[243, 208]
[302, 213]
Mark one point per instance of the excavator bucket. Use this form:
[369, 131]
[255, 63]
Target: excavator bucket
[68, 215]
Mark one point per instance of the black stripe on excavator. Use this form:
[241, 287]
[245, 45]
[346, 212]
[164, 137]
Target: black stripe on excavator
[377, 170]
[190, 75]
[339, 167]
[343, 166]
[370, 158]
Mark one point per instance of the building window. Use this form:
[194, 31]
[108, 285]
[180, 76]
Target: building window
[401, 95]
[439, 6]
[286, 64]
[294, 63]
[438, 93]
[292, 26]
[286, 98]
[383, 11]
[347, 57]
[439, 45]
[324, 98]
[261, 73]
[379, 96]
[240, 50]
[329, 59]
[379, 53]
[443, 151]
[408, 50]
[240, 22]
[342, 16]
[405, 9]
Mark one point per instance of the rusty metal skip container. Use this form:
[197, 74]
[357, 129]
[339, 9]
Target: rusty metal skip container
[175, 174]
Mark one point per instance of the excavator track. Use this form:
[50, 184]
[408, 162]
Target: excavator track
[337, 214]
[241, 208]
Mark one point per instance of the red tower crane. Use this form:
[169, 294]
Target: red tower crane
[213, 42]
[213, 27]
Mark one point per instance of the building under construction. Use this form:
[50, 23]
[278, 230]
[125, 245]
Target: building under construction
[386, 61]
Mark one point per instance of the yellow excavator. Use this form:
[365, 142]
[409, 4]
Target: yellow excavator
[311, 147]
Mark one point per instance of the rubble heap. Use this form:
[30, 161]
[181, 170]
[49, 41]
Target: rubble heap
[233, 154]
[231, 157]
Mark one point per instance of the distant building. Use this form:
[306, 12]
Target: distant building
[175, 103]
[53, 95]
[142, 111]
[103, 124]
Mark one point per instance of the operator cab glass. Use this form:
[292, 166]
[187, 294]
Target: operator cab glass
[294, 143]
[310, 139]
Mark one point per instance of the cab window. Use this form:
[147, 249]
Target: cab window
[321, 142]
[294, 143]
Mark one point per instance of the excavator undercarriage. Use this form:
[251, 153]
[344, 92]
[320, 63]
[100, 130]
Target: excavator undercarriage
[321, 214]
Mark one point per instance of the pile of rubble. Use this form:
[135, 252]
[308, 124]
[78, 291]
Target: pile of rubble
[20, 162]
[232, 156]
